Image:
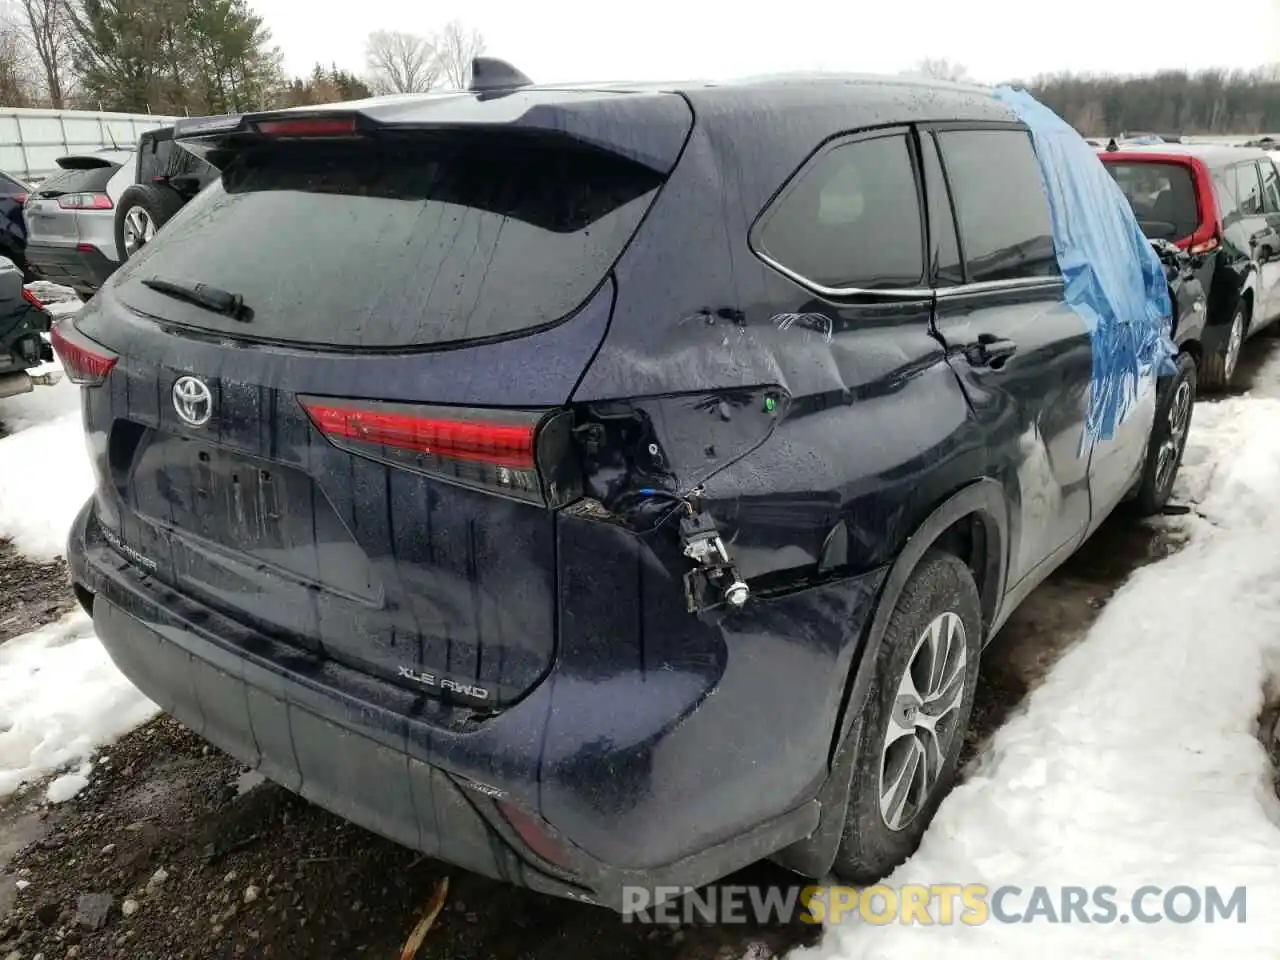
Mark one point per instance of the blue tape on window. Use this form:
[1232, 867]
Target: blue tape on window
[1113, 278]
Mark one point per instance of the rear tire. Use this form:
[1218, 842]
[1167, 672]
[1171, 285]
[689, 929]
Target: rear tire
[143, 209]
[1168, 437]
[926, 674]
[1218, 368]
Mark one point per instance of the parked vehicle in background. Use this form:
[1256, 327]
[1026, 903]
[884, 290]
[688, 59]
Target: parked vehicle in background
[167, 177]
[1222, 205]
[23, 323]
[71, 219]
[619, 487]
[13, 227]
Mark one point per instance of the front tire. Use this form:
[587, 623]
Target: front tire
[917, 712]
[1168, 437]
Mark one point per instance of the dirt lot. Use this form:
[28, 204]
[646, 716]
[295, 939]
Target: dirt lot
[209, 862]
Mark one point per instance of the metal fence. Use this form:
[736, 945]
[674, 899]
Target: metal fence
[32, 140]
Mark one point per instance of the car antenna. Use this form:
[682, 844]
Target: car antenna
[114, 145]
[490, 73]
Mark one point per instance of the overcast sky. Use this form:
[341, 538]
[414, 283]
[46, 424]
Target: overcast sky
[553, 40]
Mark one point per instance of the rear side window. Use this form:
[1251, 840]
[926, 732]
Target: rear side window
[10, 186]
[1248, 189]
[1270, 187]
[1001, 206]
[165, 158]
[1224, 191]
[851, 219]
[1162, 195]
[78, 181]
[398, 244]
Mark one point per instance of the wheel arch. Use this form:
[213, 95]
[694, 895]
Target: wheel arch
[975, 519]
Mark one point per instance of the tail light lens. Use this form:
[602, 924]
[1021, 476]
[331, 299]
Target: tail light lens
[1206, 246]
[20, 197]
[32, 299]
[86, 363]
[85, 201]
[524, 454]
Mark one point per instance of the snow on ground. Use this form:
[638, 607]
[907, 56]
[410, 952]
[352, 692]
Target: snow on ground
[60, 695]
[61, 698]
[45, 475]
[1137, 761]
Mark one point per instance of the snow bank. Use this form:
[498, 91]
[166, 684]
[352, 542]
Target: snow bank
[45, 475]
[61, 698]
[1136, 762]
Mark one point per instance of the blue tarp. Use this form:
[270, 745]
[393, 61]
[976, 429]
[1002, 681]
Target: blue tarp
[1113, 277]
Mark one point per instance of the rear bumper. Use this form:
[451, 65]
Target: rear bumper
[653, 761]
[84, 268]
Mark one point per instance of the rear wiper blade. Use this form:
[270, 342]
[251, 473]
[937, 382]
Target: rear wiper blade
[202, 295]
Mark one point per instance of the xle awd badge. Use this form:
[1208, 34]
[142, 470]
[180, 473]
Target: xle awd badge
[193, 401]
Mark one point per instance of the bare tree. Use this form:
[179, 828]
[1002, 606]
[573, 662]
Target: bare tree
[15, 90]
[400, 62]
[49, 29]
[456, 47]
[941, 69]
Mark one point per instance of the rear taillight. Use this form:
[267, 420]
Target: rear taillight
[85, 201]
[308, 127]
[522, 454]
[20, 197]
[87, 363]
[1206, 246]
[32, 299]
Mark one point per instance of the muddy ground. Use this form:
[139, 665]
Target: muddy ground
[188, 857]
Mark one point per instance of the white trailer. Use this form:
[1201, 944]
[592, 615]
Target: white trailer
[32, 140]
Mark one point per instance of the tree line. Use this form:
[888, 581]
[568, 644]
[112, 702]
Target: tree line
[197, 57]
[1170, 101]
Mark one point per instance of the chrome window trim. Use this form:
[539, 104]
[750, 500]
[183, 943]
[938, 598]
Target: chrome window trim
[914, 293]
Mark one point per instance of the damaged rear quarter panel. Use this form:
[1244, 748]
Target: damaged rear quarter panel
[870, 432]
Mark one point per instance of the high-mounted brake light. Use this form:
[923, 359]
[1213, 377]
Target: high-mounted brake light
[86, 362]
[308, 127]
[85, 201]
[515, 453]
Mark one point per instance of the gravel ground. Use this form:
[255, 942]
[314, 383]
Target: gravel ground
[31, 594]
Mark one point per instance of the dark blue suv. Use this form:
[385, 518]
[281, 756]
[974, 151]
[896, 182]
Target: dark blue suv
[594, 487]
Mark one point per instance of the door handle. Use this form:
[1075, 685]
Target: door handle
[990, 351]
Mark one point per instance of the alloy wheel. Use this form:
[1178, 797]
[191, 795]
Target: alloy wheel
[139, 230]
[924, 720]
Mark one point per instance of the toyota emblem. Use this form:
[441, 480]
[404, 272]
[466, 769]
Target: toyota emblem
[193, 401]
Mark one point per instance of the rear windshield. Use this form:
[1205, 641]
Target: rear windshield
[1163, 197]
[397, 244]
[78, 181]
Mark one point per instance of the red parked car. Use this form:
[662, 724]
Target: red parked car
[1222, 205]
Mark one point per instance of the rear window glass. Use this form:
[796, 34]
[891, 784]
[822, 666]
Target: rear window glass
[397, 244]
[78, 181]
[1163, 197]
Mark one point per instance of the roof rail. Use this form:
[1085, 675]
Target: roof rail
[490, 73]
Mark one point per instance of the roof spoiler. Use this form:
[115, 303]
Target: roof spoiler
[490, 73]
